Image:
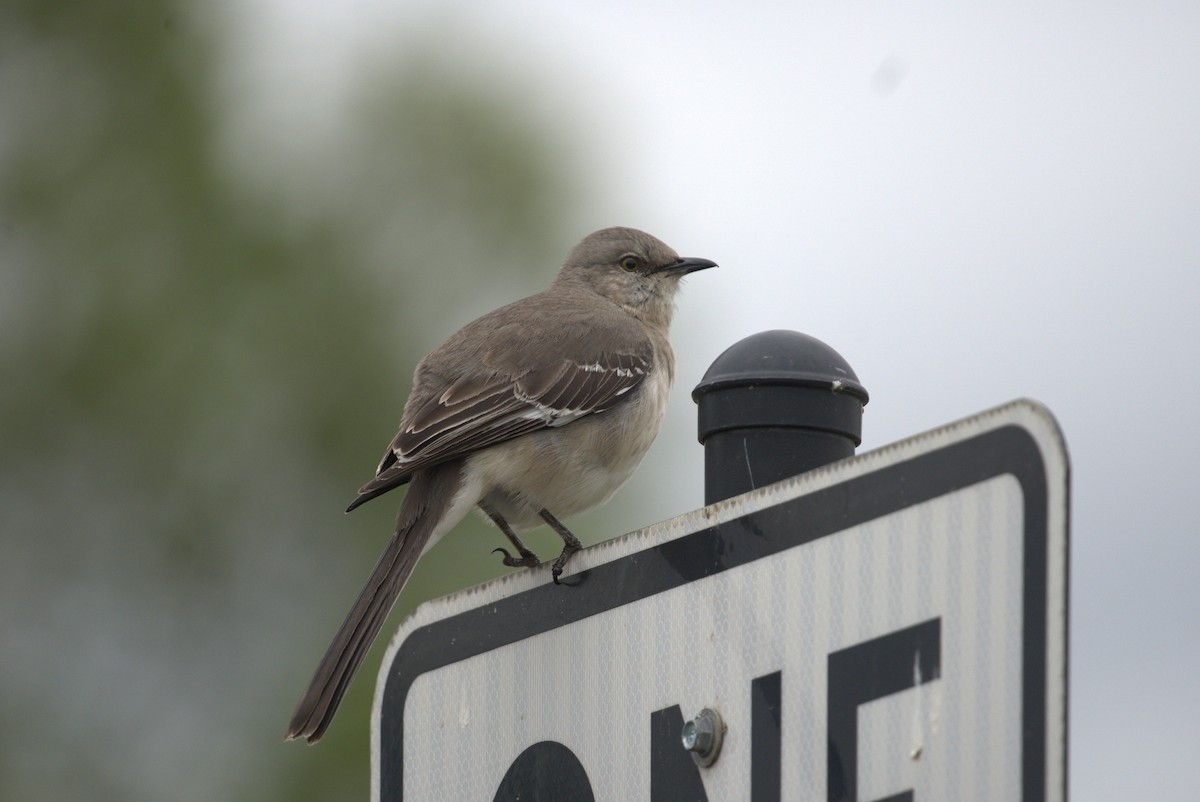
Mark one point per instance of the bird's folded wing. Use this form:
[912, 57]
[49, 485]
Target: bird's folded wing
[476, 411]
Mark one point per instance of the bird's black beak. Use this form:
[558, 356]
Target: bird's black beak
[681, 267]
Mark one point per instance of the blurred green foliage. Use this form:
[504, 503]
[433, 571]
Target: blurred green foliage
[205, 345]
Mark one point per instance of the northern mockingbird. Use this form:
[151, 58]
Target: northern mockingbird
[541, 408]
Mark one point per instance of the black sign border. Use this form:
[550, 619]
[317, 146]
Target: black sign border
[1005, 450]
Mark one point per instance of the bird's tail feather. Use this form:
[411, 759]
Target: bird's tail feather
[427, 502]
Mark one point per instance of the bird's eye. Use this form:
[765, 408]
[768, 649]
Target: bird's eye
[629, 263]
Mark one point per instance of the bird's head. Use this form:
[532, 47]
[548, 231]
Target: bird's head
[634, 270]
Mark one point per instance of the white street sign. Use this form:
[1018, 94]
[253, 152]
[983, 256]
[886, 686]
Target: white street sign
[892, 627]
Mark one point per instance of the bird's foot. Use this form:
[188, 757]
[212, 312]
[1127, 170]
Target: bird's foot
[557, 569]
[527, 559]
[571, 544]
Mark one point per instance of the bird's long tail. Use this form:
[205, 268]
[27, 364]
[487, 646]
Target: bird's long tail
[422, 511]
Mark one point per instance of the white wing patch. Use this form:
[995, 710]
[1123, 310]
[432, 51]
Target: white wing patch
[596, 367]
[560, 416]
[555, 417]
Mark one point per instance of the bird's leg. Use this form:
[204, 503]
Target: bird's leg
[528, 559]
[571, 544]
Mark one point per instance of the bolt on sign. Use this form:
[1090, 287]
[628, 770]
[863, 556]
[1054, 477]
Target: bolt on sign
[890, 628]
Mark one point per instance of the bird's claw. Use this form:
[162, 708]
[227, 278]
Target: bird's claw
[527, 559]
[561, 563]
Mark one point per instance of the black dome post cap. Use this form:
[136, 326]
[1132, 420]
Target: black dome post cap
[781, 380]
[776, 404]
[781, 357]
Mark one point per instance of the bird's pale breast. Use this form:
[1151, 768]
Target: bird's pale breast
[571, 469]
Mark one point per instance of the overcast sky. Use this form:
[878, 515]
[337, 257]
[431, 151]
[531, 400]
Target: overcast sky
[971, 202]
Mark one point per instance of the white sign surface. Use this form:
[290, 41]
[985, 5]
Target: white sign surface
[892, 627]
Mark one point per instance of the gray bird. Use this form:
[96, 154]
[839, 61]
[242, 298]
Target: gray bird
[542, 408]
